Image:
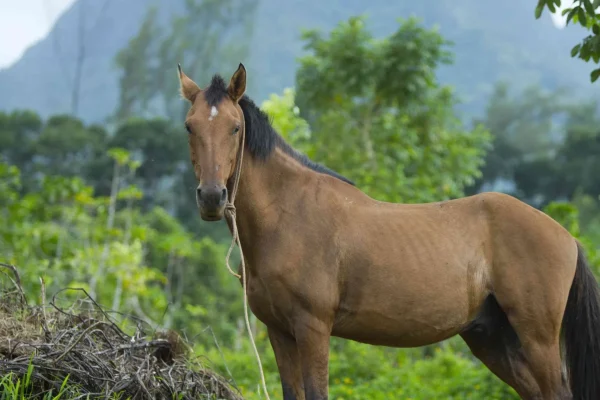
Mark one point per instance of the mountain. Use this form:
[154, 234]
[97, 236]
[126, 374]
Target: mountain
[492, 41]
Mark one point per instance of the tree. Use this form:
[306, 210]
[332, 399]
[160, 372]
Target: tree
[285, 117]
[526, 128]
[545, 146]
[584, 12]
[378, 115]
[135, 83]
[577, 159]
[19, 130]
[61, 145]
[567, 214]
[159, 147]
[208, 35]
[65, 146]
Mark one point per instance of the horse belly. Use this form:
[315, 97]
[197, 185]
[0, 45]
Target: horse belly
[408, 308]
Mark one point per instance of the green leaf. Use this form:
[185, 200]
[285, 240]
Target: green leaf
[538, 10]
[572, 14]
[575, 50]
[588, 7]
[582, 17]
[596, 29]
[62, 388]
[595, 74]
[120, 155]
[585, 52]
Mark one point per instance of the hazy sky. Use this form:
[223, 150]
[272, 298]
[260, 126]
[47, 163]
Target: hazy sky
[24, 22]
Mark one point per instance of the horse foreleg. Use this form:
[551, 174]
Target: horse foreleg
[312, 338]
[288, 362]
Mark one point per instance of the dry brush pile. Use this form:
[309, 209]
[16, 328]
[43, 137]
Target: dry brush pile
[82, 344]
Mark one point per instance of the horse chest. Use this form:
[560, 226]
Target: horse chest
[268, 301]
[277, 295]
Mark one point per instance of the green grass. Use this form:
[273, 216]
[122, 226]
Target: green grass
[13, 387]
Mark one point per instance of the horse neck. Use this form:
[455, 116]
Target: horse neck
[265, 189]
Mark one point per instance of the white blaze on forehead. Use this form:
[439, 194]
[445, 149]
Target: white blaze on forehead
[213, 113]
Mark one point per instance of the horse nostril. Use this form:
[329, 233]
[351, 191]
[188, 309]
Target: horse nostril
[213, 196]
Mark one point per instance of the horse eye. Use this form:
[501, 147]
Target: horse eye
[187, 128]
[236, 130]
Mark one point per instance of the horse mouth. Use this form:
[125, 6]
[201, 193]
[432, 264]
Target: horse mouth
[211, 216]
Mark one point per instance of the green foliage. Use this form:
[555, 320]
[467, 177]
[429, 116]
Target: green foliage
[586, 14]
[130, 261]
[377, 113]
[286, 117]
[567, 214]
[524, 131]
[63, 145]
[588, 209]
[62, 229]
[545, 145]
[364, 372]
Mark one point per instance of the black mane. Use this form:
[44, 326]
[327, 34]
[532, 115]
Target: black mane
[261, 137]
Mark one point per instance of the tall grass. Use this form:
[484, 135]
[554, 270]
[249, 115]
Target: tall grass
[14, 388]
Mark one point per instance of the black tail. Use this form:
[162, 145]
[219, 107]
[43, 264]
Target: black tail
[581, 327]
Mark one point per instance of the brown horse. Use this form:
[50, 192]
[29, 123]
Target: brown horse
[324, 259]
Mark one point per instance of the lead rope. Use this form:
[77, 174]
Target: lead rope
[230, 211]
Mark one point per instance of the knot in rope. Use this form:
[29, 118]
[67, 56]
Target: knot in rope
[229, 207]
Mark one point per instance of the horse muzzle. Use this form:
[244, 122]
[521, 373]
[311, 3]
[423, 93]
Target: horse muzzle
[211, 201]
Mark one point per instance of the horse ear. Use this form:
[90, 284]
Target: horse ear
[187, 87]
[237, 84]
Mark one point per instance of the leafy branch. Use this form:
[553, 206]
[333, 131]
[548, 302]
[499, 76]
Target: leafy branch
[584, 13]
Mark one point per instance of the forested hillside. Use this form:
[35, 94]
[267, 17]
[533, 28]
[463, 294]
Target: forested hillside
[69, 72]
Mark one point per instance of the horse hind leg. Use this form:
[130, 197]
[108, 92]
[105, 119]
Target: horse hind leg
[540, 346]
[493, 340]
